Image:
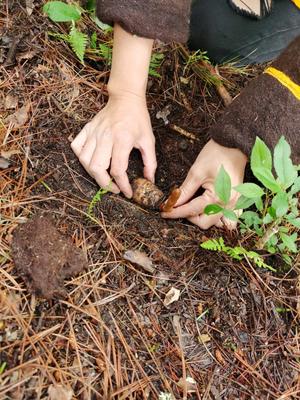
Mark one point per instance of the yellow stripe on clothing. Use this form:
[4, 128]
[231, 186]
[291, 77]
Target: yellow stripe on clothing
[284, 80]
[297, 3]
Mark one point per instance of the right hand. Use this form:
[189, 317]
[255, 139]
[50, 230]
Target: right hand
[104, 144]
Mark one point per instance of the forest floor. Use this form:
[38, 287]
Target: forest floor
[232, 334]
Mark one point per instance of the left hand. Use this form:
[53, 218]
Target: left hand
[203, 174]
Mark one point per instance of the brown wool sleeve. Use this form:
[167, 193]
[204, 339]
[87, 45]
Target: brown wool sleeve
[265, 108]
[167, 20]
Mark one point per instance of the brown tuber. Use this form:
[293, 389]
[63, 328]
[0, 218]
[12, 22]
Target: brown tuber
[146, 193]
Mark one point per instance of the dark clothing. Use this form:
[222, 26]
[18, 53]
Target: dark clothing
[265, 108]
[167, 20]
[227, 36]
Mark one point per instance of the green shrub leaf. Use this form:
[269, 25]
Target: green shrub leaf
[244, 202]
[296, 186]
[212, 209]
[230, 215]
[261, 156]
[265, 176]
[289, 241]
[59, 11]
[223, 186]
[250, 190]
[281, 204]
[286, 171]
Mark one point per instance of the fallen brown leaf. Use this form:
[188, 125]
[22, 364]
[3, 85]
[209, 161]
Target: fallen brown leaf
[59, 392]
[140, 258]
[172, 295]
[20, 117]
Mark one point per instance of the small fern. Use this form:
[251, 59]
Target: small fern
[96, 199]
[78, 42]
[236, 253]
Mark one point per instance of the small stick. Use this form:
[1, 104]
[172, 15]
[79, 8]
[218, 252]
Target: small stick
[183, 132]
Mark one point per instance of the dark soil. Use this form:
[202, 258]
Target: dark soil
[44, 257]
[233, 328]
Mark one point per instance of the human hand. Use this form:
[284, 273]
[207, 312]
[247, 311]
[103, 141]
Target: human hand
[203, 174]
[105, 142]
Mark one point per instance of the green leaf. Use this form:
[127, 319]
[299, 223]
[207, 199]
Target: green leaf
[78, 41]
[58, 11]
[295, 222]
[101, 25]
[250, 190]
[265, 176]
[281, 204]
[223, 186]
[286, 171]
[296, 186]
[243, 203]
[212, 209]
[90, 5]
[93, 41]
[267, 219]
[289, 241]
[287, 259]
[259, 204]
[261, 156]
[230, 215]
[251, 218]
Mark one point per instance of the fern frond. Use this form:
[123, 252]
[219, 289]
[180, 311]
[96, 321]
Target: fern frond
[236, 253]
[214, 244]
[78, 42]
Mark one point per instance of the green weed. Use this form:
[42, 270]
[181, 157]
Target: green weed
[58, 11]
[274, 213]
[96, 199]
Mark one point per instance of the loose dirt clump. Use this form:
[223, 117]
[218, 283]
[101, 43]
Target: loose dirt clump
[44, 257]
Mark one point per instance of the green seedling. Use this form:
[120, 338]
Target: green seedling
[2, 367]
[274, 214]
[96, 199]
[60, 12]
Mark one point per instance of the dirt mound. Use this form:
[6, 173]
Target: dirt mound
[44, 257]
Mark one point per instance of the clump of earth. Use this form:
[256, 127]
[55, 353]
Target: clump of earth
[45, 258]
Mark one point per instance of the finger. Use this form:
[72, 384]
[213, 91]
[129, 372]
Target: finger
[79, 141]
[189, 187]
[99, 165]
[87, 151]
[205, 221]
[192, 209]
[149, 160]
[119, 165]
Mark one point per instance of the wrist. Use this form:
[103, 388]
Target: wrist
[117, 89]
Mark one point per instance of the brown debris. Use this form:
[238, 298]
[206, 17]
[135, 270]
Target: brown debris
[45, 257]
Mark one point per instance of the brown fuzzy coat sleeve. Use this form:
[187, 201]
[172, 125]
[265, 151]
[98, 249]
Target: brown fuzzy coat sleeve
[265, 108]
[167, 20]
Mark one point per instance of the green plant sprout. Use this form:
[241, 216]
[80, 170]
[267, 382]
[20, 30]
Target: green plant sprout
[58, 11]
[96, 199]
[274, 216]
